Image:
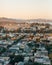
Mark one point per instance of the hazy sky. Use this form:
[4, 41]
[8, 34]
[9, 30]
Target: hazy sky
[26, 9]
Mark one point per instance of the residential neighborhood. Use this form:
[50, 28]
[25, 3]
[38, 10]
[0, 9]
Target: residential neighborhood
[29, 44]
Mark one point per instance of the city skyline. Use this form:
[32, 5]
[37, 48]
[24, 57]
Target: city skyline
[26, 9]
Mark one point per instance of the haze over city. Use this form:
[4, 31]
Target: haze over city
[26, 9]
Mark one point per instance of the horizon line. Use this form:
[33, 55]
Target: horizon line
[25, 19]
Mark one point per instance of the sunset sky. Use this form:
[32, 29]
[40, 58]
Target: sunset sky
[26, 9]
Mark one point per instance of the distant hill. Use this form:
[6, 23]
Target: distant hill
[7, 20]
[11, 23]
[14, 23]
[3, 19]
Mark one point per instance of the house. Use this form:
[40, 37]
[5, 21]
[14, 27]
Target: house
[26, 59]
[20, 63]
[4, 60]
[43, 60]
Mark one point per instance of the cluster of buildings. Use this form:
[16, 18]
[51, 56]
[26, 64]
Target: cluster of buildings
[27, 45]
